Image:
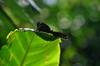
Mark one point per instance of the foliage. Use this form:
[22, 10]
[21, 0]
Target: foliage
[79, 19]
[28, 49]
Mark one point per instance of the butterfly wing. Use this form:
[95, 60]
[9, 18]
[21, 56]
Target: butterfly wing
[60, 35]
[43, 27]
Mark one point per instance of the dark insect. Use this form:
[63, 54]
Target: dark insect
[45, 28]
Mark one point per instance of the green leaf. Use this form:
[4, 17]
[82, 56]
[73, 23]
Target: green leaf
[26, 48]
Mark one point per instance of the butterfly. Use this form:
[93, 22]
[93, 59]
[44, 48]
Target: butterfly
[41, 28]
[45, 28]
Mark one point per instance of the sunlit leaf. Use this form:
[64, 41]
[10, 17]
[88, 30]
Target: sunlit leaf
[29, 49]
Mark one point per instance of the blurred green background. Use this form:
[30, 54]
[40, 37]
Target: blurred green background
[79, 19]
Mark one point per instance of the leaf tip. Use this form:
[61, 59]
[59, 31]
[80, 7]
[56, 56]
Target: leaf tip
[12, 32]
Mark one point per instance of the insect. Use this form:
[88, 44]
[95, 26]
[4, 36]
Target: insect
[42, 27]
[45, 28]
